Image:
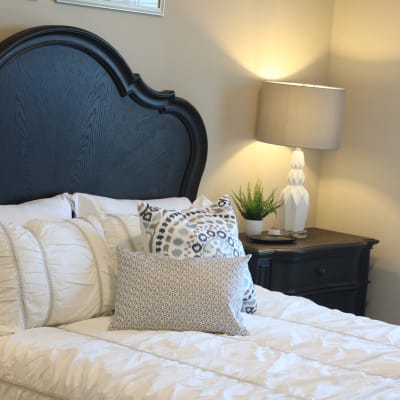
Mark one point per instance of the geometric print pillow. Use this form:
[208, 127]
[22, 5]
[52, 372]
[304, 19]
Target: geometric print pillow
[208, 232]
[207, 298]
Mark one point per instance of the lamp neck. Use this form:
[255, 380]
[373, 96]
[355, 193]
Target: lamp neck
[296, 174]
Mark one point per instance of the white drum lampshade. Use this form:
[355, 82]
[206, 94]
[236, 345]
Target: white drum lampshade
[299, 116]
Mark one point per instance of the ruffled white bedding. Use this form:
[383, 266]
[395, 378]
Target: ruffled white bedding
[296, 350]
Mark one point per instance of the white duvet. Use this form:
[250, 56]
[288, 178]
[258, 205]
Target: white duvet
[296, 350]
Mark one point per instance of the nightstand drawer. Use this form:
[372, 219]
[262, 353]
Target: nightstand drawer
[340, 269]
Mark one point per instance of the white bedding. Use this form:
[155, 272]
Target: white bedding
[296, 350]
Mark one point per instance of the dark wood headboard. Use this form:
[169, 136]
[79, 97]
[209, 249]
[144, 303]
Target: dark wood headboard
[74, 118]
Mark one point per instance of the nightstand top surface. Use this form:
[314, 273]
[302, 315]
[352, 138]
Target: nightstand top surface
[316, 238]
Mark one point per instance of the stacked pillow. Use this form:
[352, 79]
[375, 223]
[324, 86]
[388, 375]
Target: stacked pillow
[197, 232]
[202, 246]
[56, 270]
[194, 276]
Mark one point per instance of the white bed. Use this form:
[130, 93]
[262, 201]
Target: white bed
[296, 350]
[75, 119]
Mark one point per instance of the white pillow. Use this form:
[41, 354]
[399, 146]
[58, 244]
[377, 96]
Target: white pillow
[88, 204]
[55, 208]
[53, 273]
[202, 201]
[120, 230]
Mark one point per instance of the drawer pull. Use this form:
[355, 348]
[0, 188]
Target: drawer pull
[321, 272]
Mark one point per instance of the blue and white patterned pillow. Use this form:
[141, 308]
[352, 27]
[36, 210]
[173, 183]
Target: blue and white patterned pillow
[208, 232]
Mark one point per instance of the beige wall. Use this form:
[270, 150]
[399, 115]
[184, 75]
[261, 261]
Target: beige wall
[359, 186]
[215, 54]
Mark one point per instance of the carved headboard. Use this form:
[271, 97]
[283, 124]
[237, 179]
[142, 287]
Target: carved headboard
[74, 118]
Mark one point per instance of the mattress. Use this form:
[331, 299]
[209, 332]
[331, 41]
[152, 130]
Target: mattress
[295, 350]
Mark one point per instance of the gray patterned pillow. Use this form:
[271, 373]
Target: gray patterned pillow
[155, 292]
[208, 232]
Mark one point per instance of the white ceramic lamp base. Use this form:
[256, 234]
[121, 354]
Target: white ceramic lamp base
[294, 211]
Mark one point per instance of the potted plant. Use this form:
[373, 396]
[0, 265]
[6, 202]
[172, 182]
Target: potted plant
[254, 207]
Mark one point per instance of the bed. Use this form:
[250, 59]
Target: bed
[78, 128]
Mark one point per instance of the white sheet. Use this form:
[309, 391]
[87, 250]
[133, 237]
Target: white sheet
[296, 350]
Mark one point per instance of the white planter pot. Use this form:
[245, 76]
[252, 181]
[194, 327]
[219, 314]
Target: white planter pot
[254, 227]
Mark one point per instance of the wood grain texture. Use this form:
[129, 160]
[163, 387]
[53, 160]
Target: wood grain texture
[73, 117]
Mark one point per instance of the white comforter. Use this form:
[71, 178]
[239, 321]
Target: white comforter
[296, 350]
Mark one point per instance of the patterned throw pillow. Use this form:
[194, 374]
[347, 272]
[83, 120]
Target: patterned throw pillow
[208, 232]
[155, 292]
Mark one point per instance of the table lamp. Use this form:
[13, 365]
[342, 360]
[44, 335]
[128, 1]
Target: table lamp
[300, 116]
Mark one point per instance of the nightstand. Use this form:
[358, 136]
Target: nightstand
[330, 268]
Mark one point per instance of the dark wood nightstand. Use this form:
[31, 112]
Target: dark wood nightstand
[330, 268]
